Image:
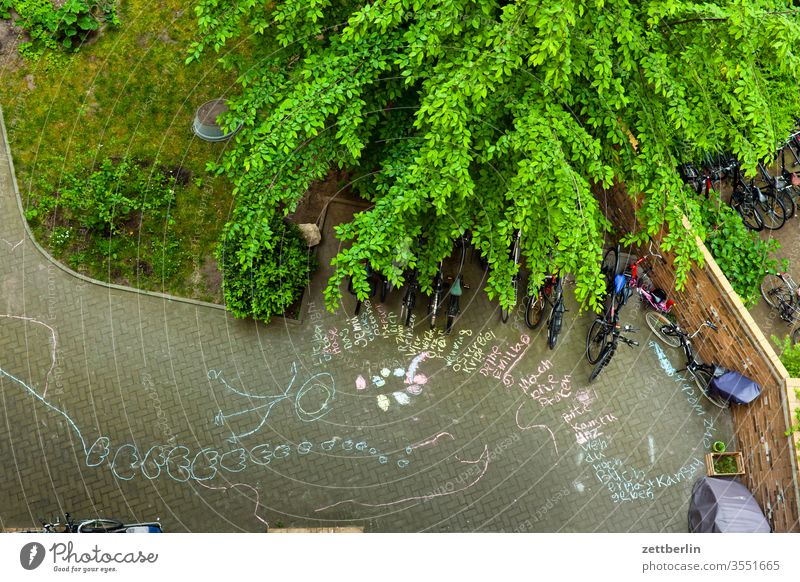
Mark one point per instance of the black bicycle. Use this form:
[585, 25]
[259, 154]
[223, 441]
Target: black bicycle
[612, 335]
[776, 188]
[409, 299]
[453, 307]
[437, 294]
[758, 209]
[702, 374]
[551, 294]
[617, 293]
[515, 255]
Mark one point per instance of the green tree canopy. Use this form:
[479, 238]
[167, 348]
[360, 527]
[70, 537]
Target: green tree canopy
[493, 116]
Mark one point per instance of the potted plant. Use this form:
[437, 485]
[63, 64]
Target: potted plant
[718, 447]
[724, 464]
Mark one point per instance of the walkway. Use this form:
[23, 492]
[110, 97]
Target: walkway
[127, 405]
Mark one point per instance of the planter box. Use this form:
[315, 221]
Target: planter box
[736, 456]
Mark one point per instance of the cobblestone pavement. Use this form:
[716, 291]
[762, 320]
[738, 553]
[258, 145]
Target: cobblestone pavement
[121, 404]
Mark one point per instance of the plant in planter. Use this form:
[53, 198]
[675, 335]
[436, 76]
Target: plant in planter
[718, 447]
[724, 464]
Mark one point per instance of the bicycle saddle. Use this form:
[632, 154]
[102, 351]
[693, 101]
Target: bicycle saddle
[455, 288]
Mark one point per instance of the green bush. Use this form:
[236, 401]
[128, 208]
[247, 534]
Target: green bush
[790, 358]
[790, 355]
[51, 27]
[106, 198]
[274, 280]
[739, 252]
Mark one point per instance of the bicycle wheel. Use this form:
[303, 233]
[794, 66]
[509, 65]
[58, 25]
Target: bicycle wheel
[610, 266]
[796, 336]
[749, 214]
[452, 312]
[358, 306]
[775, 291]
[596, 341]
[605, 358]
[772, 211]
[534, 311]
[702, 378]
[409, 300]
[557, 312]
[787, 196]
[662, 327]
[552, 331]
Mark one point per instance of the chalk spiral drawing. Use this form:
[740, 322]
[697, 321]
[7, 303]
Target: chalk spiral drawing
[321, 382]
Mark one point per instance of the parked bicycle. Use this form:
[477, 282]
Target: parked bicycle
[617, 292]
[612, 334]
[453, 307]
[672, 335]
[649, 294]
[551, 294]
[758, 209]
[779, 188]
[99, 525]
[409, 299]
[782, 294]
[437, 294]
[719, 385]
[515, 254]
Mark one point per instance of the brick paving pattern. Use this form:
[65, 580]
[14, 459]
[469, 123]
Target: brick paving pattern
[120, 404]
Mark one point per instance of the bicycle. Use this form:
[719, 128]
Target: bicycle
[555, 298]
[615, 299]
[550, 293]
[99, 525]
[536, 302]
[649, 294]
[409, 299]
[758, 210]
[453, 307]
[435, 303]
[781, 292]
[670, 333]
[609, 348]
[777, 188]
[617, 293]
[515, 254]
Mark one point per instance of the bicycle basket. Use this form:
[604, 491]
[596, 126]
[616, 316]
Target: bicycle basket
[734, 387]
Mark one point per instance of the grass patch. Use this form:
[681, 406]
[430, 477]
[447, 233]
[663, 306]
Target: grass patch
[128, 95]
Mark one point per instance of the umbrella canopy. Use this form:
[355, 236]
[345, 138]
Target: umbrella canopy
[722, 505]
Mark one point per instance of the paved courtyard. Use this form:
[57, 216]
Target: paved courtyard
[120, 404]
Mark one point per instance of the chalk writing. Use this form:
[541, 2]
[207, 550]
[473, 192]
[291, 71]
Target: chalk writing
[319, 389]
[498, 364]
[532, 380]
[689, 391]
